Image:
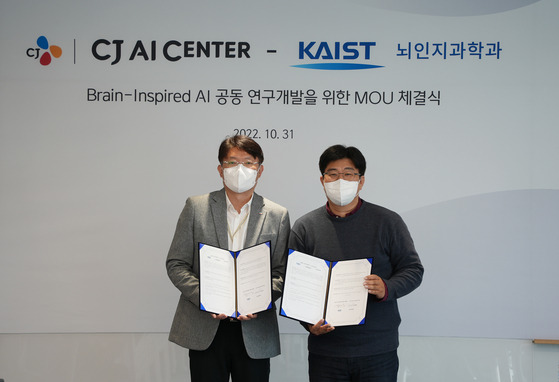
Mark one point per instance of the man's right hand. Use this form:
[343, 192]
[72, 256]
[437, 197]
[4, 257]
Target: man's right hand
[319, 328]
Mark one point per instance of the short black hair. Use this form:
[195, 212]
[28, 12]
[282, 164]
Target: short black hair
[241, 142]
[336, 152]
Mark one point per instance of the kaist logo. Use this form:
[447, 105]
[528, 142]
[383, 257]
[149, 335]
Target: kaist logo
[337, 55]
[44, 51]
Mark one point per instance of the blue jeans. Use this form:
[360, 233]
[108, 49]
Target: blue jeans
[374, 368]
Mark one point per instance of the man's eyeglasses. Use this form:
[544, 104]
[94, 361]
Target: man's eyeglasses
[234, 163]
[347, 175]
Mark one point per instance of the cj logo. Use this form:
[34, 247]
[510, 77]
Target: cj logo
[44, 52]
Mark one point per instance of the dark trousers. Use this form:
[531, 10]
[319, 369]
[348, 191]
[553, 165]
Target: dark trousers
[226, 357]
[374, 368]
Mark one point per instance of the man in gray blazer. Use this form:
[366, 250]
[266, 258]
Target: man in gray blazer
[234, 217]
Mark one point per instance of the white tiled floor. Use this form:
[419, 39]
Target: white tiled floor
[149, 357]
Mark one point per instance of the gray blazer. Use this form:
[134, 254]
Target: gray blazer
[204, 220]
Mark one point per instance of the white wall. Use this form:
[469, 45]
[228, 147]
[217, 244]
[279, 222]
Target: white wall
[91, 189]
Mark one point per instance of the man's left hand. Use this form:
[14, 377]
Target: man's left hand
[375, 286]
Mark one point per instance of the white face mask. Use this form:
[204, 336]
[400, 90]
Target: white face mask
[239, 178]
[341, 192]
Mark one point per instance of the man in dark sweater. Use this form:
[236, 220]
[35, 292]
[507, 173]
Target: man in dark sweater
[351, 228]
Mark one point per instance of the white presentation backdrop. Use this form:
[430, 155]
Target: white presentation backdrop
[458, 123]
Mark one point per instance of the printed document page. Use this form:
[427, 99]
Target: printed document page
[254, 279]
[304, 289]
[217, 280]
[347, 297]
